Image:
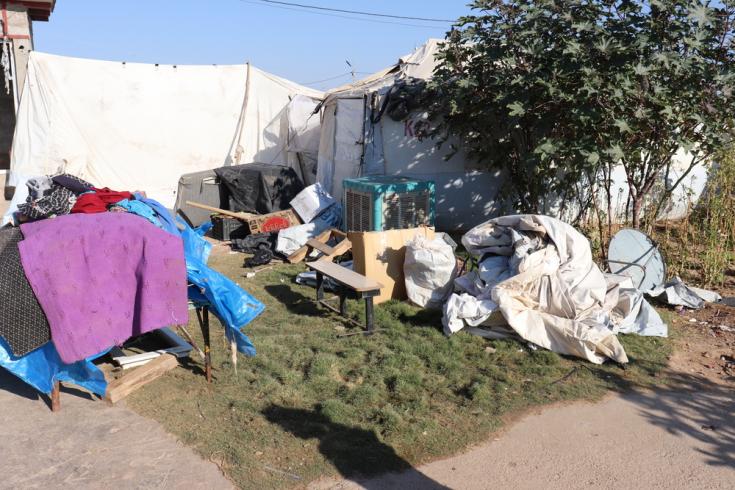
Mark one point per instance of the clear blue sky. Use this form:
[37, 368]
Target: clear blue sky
[296, 44]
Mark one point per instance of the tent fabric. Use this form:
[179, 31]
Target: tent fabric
[131, 125]
[538, 272]
[629, 311]
[340, 151]
[355, 143]
[677, 293]
[303, 125]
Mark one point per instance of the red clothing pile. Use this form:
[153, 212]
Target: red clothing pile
[98, 200]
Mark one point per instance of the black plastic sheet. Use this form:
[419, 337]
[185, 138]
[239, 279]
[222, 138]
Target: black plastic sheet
[259, 188]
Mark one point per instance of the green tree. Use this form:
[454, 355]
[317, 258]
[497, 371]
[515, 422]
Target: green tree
[558, 92]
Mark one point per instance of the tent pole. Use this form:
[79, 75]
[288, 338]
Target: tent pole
[239, 149]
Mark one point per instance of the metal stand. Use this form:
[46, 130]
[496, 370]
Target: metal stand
[343, 292]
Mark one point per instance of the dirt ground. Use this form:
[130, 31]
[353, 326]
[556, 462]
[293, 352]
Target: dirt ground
[89, 444]
[707, 347]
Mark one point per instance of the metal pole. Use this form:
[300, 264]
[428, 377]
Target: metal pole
[369, 313]
[207, 346]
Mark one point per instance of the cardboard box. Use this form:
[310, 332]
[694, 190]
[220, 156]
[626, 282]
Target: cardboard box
[263, 223]
[379, 255]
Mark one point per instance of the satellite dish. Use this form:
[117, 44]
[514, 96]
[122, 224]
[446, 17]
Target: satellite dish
[633, 254]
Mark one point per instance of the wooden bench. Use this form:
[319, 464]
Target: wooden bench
[348, 282]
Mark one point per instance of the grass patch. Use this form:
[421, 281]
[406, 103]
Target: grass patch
[310, 405]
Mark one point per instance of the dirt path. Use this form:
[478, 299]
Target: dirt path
[680, 437]
[90, 445]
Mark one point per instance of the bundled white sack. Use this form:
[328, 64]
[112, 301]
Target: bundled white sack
[430, 269]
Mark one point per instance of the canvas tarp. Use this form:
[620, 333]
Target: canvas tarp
[137, 126]
[539, 274]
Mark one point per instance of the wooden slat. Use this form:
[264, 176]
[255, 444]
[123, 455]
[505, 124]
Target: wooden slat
[340, 249]
[301, 253]
[56, 397]
[232, 214]
[122, 387]
[322, 247]
[345, 276]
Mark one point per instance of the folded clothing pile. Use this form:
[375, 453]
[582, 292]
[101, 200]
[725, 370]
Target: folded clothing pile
[50, 196]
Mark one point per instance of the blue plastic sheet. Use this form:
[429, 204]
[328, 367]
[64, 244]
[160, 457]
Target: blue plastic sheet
[232, 305]
[141, 209]
[42, 367]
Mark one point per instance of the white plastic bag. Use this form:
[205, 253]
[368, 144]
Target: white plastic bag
[430, 268]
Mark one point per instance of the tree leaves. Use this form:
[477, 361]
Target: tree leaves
[516, 109]
[551, 90]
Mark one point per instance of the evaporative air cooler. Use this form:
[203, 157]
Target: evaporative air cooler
[379, 203]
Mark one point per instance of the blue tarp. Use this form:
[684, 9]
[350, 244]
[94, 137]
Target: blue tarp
[233, 306]
[42, 367]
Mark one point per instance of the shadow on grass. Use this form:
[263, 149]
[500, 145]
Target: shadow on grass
[423, 319]
[294, 301]
[354, 452]
[193, 365]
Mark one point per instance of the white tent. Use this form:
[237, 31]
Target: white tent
[355, 142]
[132, 126]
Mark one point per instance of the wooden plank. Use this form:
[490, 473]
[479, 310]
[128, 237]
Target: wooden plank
[232, 214]
[56, 397]
[340, 249]
[322, 247]
[122, 387]
[301, 253]
[345, 276]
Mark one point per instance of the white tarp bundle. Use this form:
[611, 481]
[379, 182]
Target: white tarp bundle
[131, 126]
[538, 273]
[430, 269]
